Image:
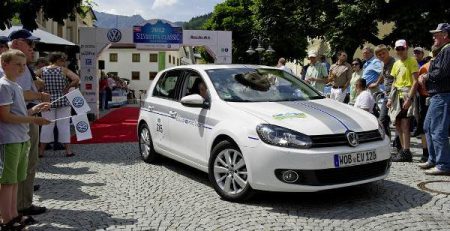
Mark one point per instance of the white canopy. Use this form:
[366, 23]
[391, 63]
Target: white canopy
[43, 35]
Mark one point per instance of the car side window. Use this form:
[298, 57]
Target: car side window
[166, 85]
[191, 83]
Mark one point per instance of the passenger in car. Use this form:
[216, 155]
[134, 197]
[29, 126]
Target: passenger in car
[199, 87]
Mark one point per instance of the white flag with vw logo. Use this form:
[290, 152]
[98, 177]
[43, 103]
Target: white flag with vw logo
[78, 102]
[82, 128]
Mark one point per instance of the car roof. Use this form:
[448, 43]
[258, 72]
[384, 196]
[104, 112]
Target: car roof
[217, 66]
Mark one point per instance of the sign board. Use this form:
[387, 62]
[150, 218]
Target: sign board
[158, 33]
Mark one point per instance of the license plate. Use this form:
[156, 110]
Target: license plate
[357, 158]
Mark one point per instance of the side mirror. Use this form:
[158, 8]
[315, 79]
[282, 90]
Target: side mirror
[194, 100]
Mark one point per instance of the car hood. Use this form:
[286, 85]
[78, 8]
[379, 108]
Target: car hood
[314, 117]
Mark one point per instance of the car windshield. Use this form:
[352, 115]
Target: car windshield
[260, 85]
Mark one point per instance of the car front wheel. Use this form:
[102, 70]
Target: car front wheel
[228, 172]
[146, 149]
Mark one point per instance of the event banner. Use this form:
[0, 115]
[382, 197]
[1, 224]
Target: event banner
[158, 33]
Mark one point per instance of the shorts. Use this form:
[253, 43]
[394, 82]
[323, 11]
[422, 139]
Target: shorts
[403, 113]
[15, 162]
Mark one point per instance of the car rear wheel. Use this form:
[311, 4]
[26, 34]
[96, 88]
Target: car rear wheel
[228, 172]
[146, 149]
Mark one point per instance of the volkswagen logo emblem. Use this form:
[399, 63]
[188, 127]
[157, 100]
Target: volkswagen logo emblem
[78, 102]
[114, 35]
[352, 138]
[82, 127]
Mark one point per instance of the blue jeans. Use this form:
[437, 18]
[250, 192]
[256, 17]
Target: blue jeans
[436, 127]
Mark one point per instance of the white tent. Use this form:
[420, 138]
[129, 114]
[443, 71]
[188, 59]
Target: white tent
[45, 37]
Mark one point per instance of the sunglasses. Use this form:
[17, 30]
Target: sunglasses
[355, 64]
[400, 49]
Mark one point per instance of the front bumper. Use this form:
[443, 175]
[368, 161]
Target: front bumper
[315, 167]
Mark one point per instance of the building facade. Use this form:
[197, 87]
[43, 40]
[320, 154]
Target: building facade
[138, 66]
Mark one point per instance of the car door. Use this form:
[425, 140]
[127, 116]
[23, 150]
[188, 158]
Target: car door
[164, 99]
[190, 130]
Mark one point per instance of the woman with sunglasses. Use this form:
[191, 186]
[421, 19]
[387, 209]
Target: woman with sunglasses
[357, 74]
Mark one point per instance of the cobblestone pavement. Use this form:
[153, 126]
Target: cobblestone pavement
[108, 187]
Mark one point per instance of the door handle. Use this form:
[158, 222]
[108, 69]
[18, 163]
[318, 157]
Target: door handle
[150, 107]
[173, 114]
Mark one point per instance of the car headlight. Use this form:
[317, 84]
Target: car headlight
[381, 129]
[283, 137]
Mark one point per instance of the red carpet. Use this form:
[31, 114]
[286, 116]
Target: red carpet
[115, 127]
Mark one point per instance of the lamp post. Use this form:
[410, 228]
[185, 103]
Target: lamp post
[261, 43]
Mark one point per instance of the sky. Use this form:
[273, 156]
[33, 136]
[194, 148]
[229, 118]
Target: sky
[172, 10]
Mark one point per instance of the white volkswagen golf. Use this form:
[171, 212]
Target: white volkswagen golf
[259, 128]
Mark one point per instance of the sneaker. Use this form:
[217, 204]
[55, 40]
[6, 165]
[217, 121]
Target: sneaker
[403, 156]
[426, 165]
[437, 172]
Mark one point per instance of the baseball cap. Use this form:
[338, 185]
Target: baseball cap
[23, 34]
[400, 43]
[441, 27]
[312, 54]
[420, 49]
[3, 39]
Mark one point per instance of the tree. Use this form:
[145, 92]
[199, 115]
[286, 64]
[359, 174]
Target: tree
[348, 24]
[414, 20]
[27, 11]
[235, 16]
[287, 23]
[196, 23]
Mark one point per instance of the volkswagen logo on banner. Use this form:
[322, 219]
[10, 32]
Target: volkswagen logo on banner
[82, 127]
[114, 35]
[352, 138]
[78, 102]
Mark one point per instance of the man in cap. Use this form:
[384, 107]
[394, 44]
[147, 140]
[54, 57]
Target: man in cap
[24, 41]
[401, 100]
[316, 74]
[437, 120]
[3, 47]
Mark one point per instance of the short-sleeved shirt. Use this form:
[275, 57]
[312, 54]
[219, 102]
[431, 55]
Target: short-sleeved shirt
[403, 72]
[388, 78]
[317, 70]
[372, 69]
[365, 101]
[11, 94]
[26, 82]
[343, 73]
